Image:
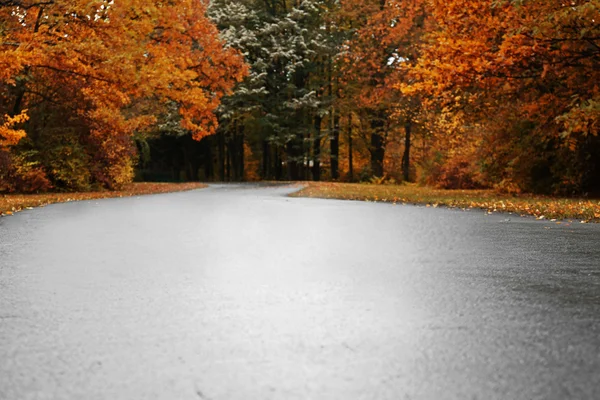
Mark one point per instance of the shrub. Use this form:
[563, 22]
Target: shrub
[18, 174]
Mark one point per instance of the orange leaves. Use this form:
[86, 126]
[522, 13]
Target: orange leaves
[8, 135]
[583, 119]
[136, 49]
[187, 63]
[525, 75]
[12, 203]
[104, 70]
[488, 200]
[385, 41]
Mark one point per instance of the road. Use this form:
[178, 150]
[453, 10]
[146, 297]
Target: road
[239, 292]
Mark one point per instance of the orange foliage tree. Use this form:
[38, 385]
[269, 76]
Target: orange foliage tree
[522, 77]
[385, 38]
[9, 136]
[93, 74]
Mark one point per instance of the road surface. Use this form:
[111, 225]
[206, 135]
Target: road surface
[238, 292]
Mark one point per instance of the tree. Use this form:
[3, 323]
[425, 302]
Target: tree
[282, 104]
[526, 79]
[9, 136]
[91, 74]
[385, 37]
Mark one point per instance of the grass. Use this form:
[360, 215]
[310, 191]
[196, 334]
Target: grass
[12, 203]
[541, 207]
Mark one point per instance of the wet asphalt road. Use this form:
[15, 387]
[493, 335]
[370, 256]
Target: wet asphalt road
[238, 292]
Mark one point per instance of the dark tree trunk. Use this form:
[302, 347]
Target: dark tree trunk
[20, 95]
[335, 148]
[377, 150]
[233, 152]
[195, 172]
[221, 155]
[307, 157]
[237, 152]
[228, 162]
[188, 147]
[189, 171]
[266, 162]
[292, 153]
[208, 161]
[241, 153]
[406, 156]
[316, 168]
[334, 123]
[350, 161]
[278, 166]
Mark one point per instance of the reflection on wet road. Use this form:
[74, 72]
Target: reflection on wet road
[238, 292]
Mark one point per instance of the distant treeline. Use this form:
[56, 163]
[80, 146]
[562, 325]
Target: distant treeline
[451, 93]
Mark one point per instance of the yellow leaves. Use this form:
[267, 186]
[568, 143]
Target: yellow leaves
[371, 71]
[542, 208]
[532, 72]
[188, 65]
[8, 135]
[17, 119]
[12, 203]
[109, 69]
[11, 62]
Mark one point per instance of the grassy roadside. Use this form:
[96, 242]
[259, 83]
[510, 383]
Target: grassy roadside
[584, 210]
[12, 203]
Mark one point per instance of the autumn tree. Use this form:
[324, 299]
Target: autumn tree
[521, 76]
[385, 36]
[91, 75]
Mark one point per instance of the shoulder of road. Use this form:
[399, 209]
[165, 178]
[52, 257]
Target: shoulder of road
[12, 203]
[560, 209]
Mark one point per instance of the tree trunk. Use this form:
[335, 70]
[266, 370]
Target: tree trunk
[377, 151]
[278, 166]
[292, 160]
[316, 168]
[233, 150]
[335, 148]
[237, 152]
[266, 162]
[334, 123]
[221, 155]
[188, 166]
[237, 155]
[20, 95]
[228, 162]
[406, 156]
[208, 162]
[241, 153]
[350, 166]
[307, 156]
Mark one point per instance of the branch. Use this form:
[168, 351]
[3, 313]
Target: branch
[20, 4]
[74, 73]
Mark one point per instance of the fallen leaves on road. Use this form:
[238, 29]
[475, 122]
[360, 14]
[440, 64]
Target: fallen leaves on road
[541, 207]
[11, 203]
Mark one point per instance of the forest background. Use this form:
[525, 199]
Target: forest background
[497, 94]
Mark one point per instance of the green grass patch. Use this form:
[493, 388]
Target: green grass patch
[541, 207]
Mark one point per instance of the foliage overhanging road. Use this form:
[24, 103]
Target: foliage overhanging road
[238, 292]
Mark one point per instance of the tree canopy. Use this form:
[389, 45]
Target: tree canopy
[452, 93]
[89, 76]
